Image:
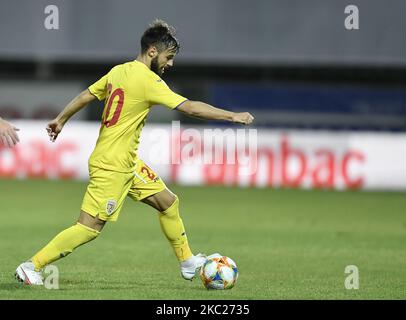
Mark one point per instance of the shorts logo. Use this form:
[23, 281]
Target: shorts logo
[111, 206]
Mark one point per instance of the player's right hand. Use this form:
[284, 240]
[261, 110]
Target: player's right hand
[8, 134]
[243, 117]
[53, 129]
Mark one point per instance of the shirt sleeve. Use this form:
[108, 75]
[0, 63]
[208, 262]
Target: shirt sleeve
[99, 88]
[158, 92]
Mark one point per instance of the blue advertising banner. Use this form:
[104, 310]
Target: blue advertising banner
[316, 106]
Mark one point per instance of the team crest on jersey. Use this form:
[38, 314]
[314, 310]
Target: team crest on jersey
[111, 206]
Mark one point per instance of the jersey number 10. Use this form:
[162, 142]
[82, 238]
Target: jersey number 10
[116, 93]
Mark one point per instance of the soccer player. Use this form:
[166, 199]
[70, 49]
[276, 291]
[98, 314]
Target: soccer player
[129, 90]
[8, 134]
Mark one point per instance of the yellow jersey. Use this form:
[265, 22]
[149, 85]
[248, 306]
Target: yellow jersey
[129, 91]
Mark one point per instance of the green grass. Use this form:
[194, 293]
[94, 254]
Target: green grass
[288, 244]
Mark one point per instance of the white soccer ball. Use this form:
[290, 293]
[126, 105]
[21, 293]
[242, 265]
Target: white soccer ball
[219, 272]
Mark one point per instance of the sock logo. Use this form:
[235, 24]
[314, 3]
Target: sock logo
[111, 206]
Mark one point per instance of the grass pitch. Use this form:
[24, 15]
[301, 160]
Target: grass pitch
[288, 244]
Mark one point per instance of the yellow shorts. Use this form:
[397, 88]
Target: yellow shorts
[107, 190]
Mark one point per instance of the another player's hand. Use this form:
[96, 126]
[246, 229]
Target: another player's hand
[243, 117]
[8, 134]
[54, 128]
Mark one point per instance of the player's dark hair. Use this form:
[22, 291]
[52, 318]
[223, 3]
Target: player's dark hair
[160, 35]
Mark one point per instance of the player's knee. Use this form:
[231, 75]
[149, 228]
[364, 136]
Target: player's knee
[91, 222]
[171, 204]
[174, 201]
[173, 198]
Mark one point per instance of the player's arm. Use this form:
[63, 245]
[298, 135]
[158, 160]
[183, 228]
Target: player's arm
[78, 103]
[205, 111]
[157, 92]
[8, 133]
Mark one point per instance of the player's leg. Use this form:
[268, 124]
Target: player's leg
[150, 189]
[86, 229]
[167, 204]
[102, 202]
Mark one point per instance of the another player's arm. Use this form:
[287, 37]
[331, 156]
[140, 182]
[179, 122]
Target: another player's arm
[78, 103]
[8, 133]
[205, 111]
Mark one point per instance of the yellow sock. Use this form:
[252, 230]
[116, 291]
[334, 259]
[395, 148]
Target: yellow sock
[173, 228]
[63, 244]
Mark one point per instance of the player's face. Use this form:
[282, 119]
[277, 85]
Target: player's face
[162, 61]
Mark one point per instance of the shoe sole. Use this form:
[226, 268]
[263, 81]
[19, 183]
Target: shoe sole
[18, 277]
[197, 270]
[190, 279]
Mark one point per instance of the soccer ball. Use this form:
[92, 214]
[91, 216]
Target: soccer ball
[219, 272]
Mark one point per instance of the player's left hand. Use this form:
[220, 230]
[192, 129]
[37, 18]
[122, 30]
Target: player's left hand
[53, 129]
